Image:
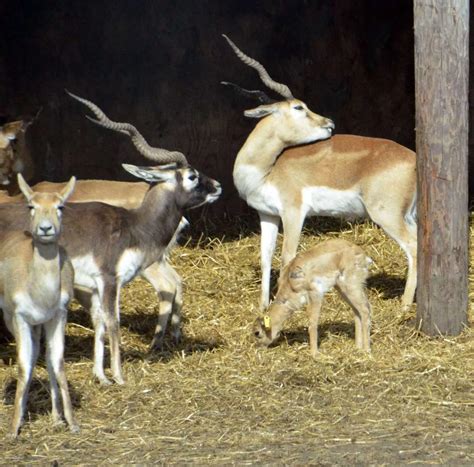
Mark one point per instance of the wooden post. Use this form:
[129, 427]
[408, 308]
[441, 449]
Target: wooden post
[441, 81]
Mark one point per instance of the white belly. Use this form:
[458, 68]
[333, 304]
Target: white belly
[129, 264]
[323, 201]
[86, 272]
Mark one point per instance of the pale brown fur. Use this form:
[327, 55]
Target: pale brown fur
[286, 179]
[305, 280]
[36, 284]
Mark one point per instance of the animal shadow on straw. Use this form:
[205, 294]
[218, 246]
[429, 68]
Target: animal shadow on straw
[39, 397]
[300, 335]
[144, 325]
[389, 286]
[186, 346]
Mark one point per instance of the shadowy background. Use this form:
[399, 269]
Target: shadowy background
[158, 64]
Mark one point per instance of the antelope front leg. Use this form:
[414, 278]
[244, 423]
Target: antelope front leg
[314, 311]
[269, 231]
[112, 322]
[27, 342]
[54, 331]
[292, 225]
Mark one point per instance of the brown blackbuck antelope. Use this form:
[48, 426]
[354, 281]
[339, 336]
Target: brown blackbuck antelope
[306, 279]
[36, 284]
[130, 195]
[286, 173]
[110, 245]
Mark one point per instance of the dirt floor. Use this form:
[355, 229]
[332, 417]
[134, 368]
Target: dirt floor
[217, 399]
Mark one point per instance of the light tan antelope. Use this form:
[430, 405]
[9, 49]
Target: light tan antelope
[15, 156]
[283, 177]
[306, 279]
[8, 133]
[36, 284]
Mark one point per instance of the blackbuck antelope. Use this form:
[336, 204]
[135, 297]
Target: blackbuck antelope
[36, 284]
[306, 279]
[130, 195]
[109, 245]
[14, 153]
[284, 177]
[8, 133]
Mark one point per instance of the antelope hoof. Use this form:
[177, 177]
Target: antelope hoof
[156, 344]
[119, 380]
[74, 428]
[12, 436]
[103, 380]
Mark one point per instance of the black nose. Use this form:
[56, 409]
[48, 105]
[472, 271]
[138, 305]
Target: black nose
[45, 230]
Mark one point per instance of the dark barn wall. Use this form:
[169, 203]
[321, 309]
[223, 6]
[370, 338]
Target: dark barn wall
[158, 65]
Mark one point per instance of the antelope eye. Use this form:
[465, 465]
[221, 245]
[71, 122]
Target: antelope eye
[298, 107]
[30, 207]
[192, 177]
[61, 207]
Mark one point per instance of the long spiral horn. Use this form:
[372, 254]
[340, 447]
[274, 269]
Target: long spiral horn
[281, 89]
[260, 96]
[158, 155]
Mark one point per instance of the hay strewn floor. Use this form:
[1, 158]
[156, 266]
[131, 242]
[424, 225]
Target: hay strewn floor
[217, 399]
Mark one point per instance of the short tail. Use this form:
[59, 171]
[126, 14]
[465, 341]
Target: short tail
[411, 214]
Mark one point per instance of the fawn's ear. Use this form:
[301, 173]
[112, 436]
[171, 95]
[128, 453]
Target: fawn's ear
[297, 278]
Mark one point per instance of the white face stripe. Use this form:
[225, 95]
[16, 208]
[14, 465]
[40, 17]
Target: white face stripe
[190, 179]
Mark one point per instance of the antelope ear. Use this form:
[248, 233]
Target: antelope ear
[151, 174]
[11, 130]
[66, 192]
[24, 187]
[261, 111]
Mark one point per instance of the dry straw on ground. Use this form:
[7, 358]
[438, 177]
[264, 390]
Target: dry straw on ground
[215, 398]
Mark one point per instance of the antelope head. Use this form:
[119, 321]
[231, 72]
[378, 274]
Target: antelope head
[45, 210]
[298, 124]
[8, 133]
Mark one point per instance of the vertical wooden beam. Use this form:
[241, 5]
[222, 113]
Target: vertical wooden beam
[441, 81]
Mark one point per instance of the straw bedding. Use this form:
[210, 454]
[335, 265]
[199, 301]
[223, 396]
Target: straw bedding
[216, 398]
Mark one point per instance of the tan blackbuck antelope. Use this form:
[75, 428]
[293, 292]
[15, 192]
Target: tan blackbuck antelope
[14, 153]
[130, 195]
[306, 279]
[36, 284]
[8, 133]
[284, 177]
[110, 245]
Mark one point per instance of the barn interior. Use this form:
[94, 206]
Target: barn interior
[215, 398]
[159, 64]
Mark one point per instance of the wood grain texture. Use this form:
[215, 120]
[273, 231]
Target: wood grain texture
[441, 82]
